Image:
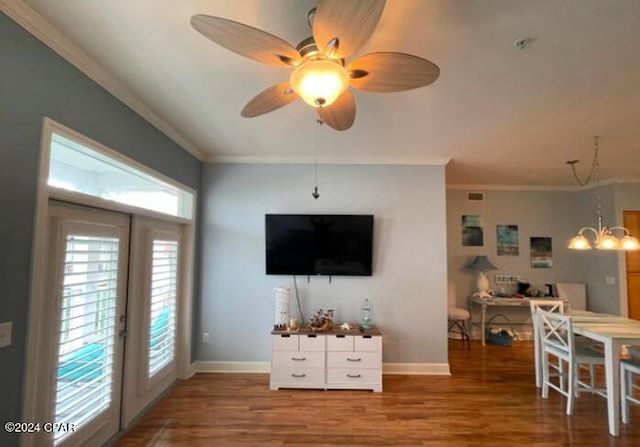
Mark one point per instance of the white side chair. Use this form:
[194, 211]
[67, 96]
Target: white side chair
[457, 316]
[549, 306]
[559, 347]
[629, 370]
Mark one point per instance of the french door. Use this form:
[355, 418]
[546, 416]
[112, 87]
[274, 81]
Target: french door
[113, 346]
[89, 269]
[152, 313]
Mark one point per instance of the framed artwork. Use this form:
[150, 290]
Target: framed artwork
[541, 253]
[472, 233]
[508, 242]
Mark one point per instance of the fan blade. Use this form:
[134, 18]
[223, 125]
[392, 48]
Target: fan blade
[350, 22]
[273, 98]
[246, 40]
[341, 114]
[391, 72]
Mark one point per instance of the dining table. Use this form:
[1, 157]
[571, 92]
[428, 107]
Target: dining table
[613, 332]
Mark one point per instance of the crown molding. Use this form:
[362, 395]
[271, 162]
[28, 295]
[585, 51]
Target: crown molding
[481, 187]
[404, 161]
[591, 185]
[35, 24]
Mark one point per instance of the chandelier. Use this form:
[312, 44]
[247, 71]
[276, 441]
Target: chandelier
[605, 237]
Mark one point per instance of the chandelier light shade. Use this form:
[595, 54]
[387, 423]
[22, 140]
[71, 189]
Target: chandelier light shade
[481, 265]
[319, 82]
[605, 237]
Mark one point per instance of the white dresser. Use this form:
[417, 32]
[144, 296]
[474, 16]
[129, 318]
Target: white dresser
[328, 360]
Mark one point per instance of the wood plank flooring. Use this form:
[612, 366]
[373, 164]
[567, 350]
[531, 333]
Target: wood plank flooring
[490, 400]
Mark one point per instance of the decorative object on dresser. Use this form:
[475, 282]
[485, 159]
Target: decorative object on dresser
[282, 307]
[335, 359]
[322, 321]
[366, 314]
[481, 264]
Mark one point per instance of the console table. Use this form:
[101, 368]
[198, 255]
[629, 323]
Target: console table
[335, 359]
[484, 303]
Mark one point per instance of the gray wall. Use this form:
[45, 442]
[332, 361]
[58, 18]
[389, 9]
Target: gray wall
[408, 286]
[34, 83]
[542, 213]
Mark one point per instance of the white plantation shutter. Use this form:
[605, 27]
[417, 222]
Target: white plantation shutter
[162, 315]
[85, 375]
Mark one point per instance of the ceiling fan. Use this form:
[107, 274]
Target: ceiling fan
[319, 76]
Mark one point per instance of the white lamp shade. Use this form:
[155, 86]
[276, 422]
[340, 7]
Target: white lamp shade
[579, 243]
[630, 243]
[608, 242]
[319, 82]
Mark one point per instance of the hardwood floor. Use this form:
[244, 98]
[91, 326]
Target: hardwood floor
[490, 400]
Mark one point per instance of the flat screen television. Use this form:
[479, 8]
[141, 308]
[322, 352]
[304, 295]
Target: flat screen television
[319, 244]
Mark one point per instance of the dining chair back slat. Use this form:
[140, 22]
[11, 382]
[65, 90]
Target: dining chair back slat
[549, 306]
[563, 359]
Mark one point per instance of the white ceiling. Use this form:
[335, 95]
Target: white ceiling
[503, 115]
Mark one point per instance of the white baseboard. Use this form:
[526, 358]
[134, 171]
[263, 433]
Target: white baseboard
[207, 366]
[203, 366]
[193, 369]
[415, 369]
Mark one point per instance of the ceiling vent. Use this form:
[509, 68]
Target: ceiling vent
[475, 196]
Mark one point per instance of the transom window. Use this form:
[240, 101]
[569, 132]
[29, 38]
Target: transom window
[75, 167]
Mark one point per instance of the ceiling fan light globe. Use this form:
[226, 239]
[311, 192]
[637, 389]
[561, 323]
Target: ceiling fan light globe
[630, 243]
[608, 242]
[579, 243]
[319, 82]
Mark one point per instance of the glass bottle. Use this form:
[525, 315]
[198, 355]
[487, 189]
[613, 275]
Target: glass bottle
[366, 314]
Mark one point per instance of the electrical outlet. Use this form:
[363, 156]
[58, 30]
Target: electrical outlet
[205, 337]
[5, 334]
[610, 280]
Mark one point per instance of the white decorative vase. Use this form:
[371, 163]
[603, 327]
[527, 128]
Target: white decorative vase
[282, 305]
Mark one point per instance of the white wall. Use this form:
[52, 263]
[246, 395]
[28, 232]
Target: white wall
[408, 286]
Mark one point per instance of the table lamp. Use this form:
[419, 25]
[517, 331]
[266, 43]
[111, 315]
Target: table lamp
[481, 264]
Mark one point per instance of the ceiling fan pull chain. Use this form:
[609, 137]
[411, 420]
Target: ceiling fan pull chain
[319, 122]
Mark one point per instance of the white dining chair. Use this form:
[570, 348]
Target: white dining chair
[457, 316]
[629, 371]
[549, 306]
[558, 346]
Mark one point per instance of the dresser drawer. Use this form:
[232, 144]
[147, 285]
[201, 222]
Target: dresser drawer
[353, 376]
[284, 342]
[312, 342]
[339, 342]
[298, 377]
[299, 359]
[368, 343]
[357, 360]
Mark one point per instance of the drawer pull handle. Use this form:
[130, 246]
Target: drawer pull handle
[340, 336]
[299, 376]
[354, 376]
[353, 360]
[298, 359]
[366, 336]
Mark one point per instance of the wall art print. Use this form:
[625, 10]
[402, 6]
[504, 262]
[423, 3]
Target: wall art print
[508, 241]
[541, 253]
[472, 232]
